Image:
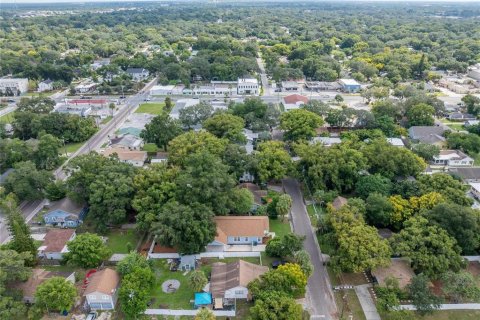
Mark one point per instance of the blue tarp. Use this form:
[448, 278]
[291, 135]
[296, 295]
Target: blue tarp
[203, 298]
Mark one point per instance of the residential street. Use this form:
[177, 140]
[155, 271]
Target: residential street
[319, 288]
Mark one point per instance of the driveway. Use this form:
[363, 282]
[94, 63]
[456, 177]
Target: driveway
[319, 289]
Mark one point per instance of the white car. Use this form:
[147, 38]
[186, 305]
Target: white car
[92, 315]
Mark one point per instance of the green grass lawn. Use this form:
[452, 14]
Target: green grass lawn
[106, 120]
[118, 239]
[177, 300]
[456, 126]
[7, 118]
[72, 147]
[150, 147]
[279, 227]
[444, 315]
[313, 214]
[346, 300]
[476, 159]
[152, 108]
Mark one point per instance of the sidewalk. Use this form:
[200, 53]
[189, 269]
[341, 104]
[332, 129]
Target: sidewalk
[366, 301]
[457, 306]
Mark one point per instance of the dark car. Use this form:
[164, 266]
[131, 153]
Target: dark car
[277, 263]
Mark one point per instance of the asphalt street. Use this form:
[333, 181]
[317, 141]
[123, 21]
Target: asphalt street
[319, 293]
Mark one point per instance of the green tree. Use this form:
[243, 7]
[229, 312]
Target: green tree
[36, 105]
[379, 210]
[460, 287]
[273, 161]
[197, 280]
[420, 115]
[86, 250]
[205, 314]
[192, 142]
[469, 143]
[284, 246]
[132, 261]
[27, 182]
[452, 190]
[284, 204]
[168, 104]
[472, 103]
[205, 180]
[426, 151]
[56, 293]
[46, 156]
[375, 183]
[300, 124]
[56, 190]
[302, 258]
[275, 306]
[134, 293]
[422, 298]
[225, 125]
[461, 223]
[154, 187]
[188, 228]
[196, 114]
[22, 240]
[161, 130]
[429, 248]
[241, 201]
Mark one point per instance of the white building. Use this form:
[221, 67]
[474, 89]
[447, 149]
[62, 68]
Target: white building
[452, 158]
[475, 190]
[162, 90]
[13, 86]
[474, 73]
[46, 85]
[396, 142]
[138, 74]
[85, 87]
[327, 141]
[247, 86]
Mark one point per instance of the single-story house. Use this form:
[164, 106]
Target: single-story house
[475, 189]
[251, 139]
[138, 74]
[468, 174]
[160, 157]
[396, 142]
[127, 141]
[471, 123]
[399, 269]
[458, 116]
[29, 287]
[133, 157]
[349, 85]
[230, 280]
[101, 292]
[239, 230]
[327, 141]
[427, 134]
[294, 101]
[65, 213]
[46, 85]
[55, 243]
[452, 158]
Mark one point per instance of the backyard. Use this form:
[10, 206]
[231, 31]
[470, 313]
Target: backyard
[150, 147]
[151, 108]
[121, 241]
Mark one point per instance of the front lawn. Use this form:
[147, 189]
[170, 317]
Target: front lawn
[150, 147]
[176, 300]
[106, 120]
[118, 239]
[73, 146]
[7, 118]
[279, 227]
[151, 108]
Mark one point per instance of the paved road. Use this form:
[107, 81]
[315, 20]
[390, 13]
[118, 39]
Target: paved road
[30, 208]
[263, 76]
[8, 109]
[319, 288]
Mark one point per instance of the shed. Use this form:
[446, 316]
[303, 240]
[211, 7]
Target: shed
[188, 262]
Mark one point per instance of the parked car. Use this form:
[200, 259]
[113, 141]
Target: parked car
[92, 316]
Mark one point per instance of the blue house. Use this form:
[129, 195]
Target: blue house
[65, 214]
[349, 85]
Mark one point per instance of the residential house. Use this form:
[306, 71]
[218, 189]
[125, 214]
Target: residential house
[230, 280]
[427, 134]
[101, 292]
[13, 86]
[349, 85]
[82, 111]
[55, 243]
[471, 123]
[133, 157]
[467, 174]
[127, 142]
[458, 116]
[65, 213]
[248, 86]
[290, 86]
[160, 157]
[97, 64]
[45, 85]
[239, 230]
[294, 101]
[452, 158]
[251, 137]
[396, 142]
[474, 72]
[85, 88]
[257, 193]
[327, 141]
[138, 74]
[475, 189]
[29, 287]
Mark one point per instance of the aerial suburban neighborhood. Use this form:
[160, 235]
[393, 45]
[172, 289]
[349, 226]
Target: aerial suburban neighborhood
[240, 160]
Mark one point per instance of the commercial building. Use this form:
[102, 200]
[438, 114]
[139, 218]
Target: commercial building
[349, 85]
[247, 86]
[13, 86]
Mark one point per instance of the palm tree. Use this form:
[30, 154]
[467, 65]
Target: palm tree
[197, 280]
[284, 204]
[205, 314]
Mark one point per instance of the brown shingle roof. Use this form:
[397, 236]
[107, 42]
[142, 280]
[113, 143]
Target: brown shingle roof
[126, 155]
[104, 281]
[294, 98]
[241, 226]
[56, 239]
[231, 275]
